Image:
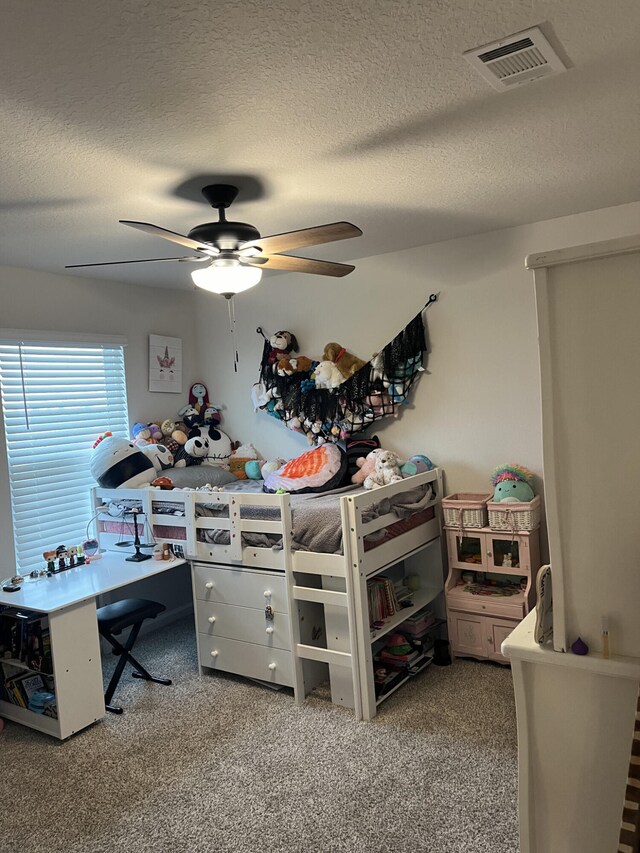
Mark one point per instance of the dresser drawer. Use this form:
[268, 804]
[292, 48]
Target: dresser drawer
[242, 623]
[487, 605]
[230, 585]
[252, 661]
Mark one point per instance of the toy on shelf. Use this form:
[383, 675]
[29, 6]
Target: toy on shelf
[512, 483]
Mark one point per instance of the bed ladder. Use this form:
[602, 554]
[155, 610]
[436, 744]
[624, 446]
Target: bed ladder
[340, 624]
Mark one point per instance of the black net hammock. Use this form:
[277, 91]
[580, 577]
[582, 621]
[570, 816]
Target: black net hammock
[377, 390]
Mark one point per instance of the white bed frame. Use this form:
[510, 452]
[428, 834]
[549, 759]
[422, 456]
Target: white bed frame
[338, 582]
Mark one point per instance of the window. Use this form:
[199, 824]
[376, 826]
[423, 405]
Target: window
[56, 400]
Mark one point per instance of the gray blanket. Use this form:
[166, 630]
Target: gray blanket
[316, 520]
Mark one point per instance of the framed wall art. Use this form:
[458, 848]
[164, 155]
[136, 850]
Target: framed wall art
[165, 364]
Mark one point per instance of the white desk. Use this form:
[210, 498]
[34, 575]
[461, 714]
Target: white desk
[68, 600]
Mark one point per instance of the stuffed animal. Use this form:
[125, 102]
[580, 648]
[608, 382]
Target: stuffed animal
[160, 457]
[155, 431]
[191, 418]
[512, 484]
[116, 462]
[287, 366]
[366, 466]
[239, 458]
[386, 470]
[199, 397]
[416, 464]
[141, 434]
[193, 452]
[219, 449]
[281, 344]
[327, 375]
[258, 469]
[167, 427]
[347, 363]
[211, 416]
[380, 403]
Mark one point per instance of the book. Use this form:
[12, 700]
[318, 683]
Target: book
[400, 660]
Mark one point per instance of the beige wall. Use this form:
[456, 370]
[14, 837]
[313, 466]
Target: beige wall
[479, 405]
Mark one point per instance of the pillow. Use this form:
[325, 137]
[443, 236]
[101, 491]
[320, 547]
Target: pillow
[356, 447]
[318, 470]
[199, 475]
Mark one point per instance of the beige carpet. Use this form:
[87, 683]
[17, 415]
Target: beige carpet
[221, 765]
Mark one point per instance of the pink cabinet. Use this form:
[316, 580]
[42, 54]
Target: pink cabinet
[489, 587]
[474, 635]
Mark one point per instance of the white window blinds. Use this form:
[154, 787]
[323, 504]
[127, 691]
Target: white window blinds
[56, 400]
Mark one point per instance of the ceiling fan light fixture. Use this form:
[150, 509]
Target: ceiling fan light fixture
[226, 277]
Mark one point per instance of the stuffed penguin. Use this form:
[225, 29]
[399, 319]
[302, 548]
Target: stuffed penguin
[118, 463]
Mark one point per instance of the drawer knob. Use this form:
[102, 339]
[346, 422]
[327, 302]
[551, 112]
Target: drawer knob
[272, 666]
[269, 630]
[267, 593]
[209, 585]
[214, 653]
[212, 619]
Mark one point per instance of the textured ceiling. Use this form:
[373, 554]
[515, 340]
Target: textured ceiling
[362, 110]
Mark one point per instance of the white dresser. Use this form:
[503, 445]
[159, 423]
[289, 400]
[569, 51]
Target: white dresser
[242, 622]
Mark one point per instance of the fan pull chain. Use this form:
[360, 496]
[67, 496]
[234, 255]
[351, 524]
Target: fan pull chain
[232, 328]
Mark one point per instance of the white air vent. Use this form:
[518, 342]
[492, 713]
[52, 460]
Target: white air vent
[520, 58]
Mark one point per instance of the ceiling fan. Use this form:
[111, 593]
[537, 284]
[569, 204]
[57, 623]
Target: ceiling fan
[234, 252]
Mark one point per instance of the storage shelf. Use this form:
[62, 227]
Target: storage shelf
[21, 665]
[422, 663]
[41, 722]
[421, 598]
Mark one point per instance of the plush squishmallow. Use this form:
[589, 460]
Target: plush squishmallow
[219, 448]
[317, 470]
[512, 483]
[159, 455]
[117, 462]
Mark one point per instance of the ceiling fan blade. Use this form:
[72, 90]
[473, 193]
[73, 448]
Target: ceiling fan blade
[195, 259]
[156, 231]
[305, 237]
[293, 264]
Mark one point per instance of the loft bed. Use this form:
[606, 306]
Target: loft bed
[362, 532]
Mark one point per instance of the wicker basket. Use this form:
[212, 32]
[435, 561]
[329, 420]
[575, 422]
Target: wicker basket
[465, 509]
[514, 516]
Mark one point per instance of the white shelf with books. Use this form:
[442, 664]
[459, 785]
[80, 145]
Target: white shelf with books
[56, 694]
[404, 606]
